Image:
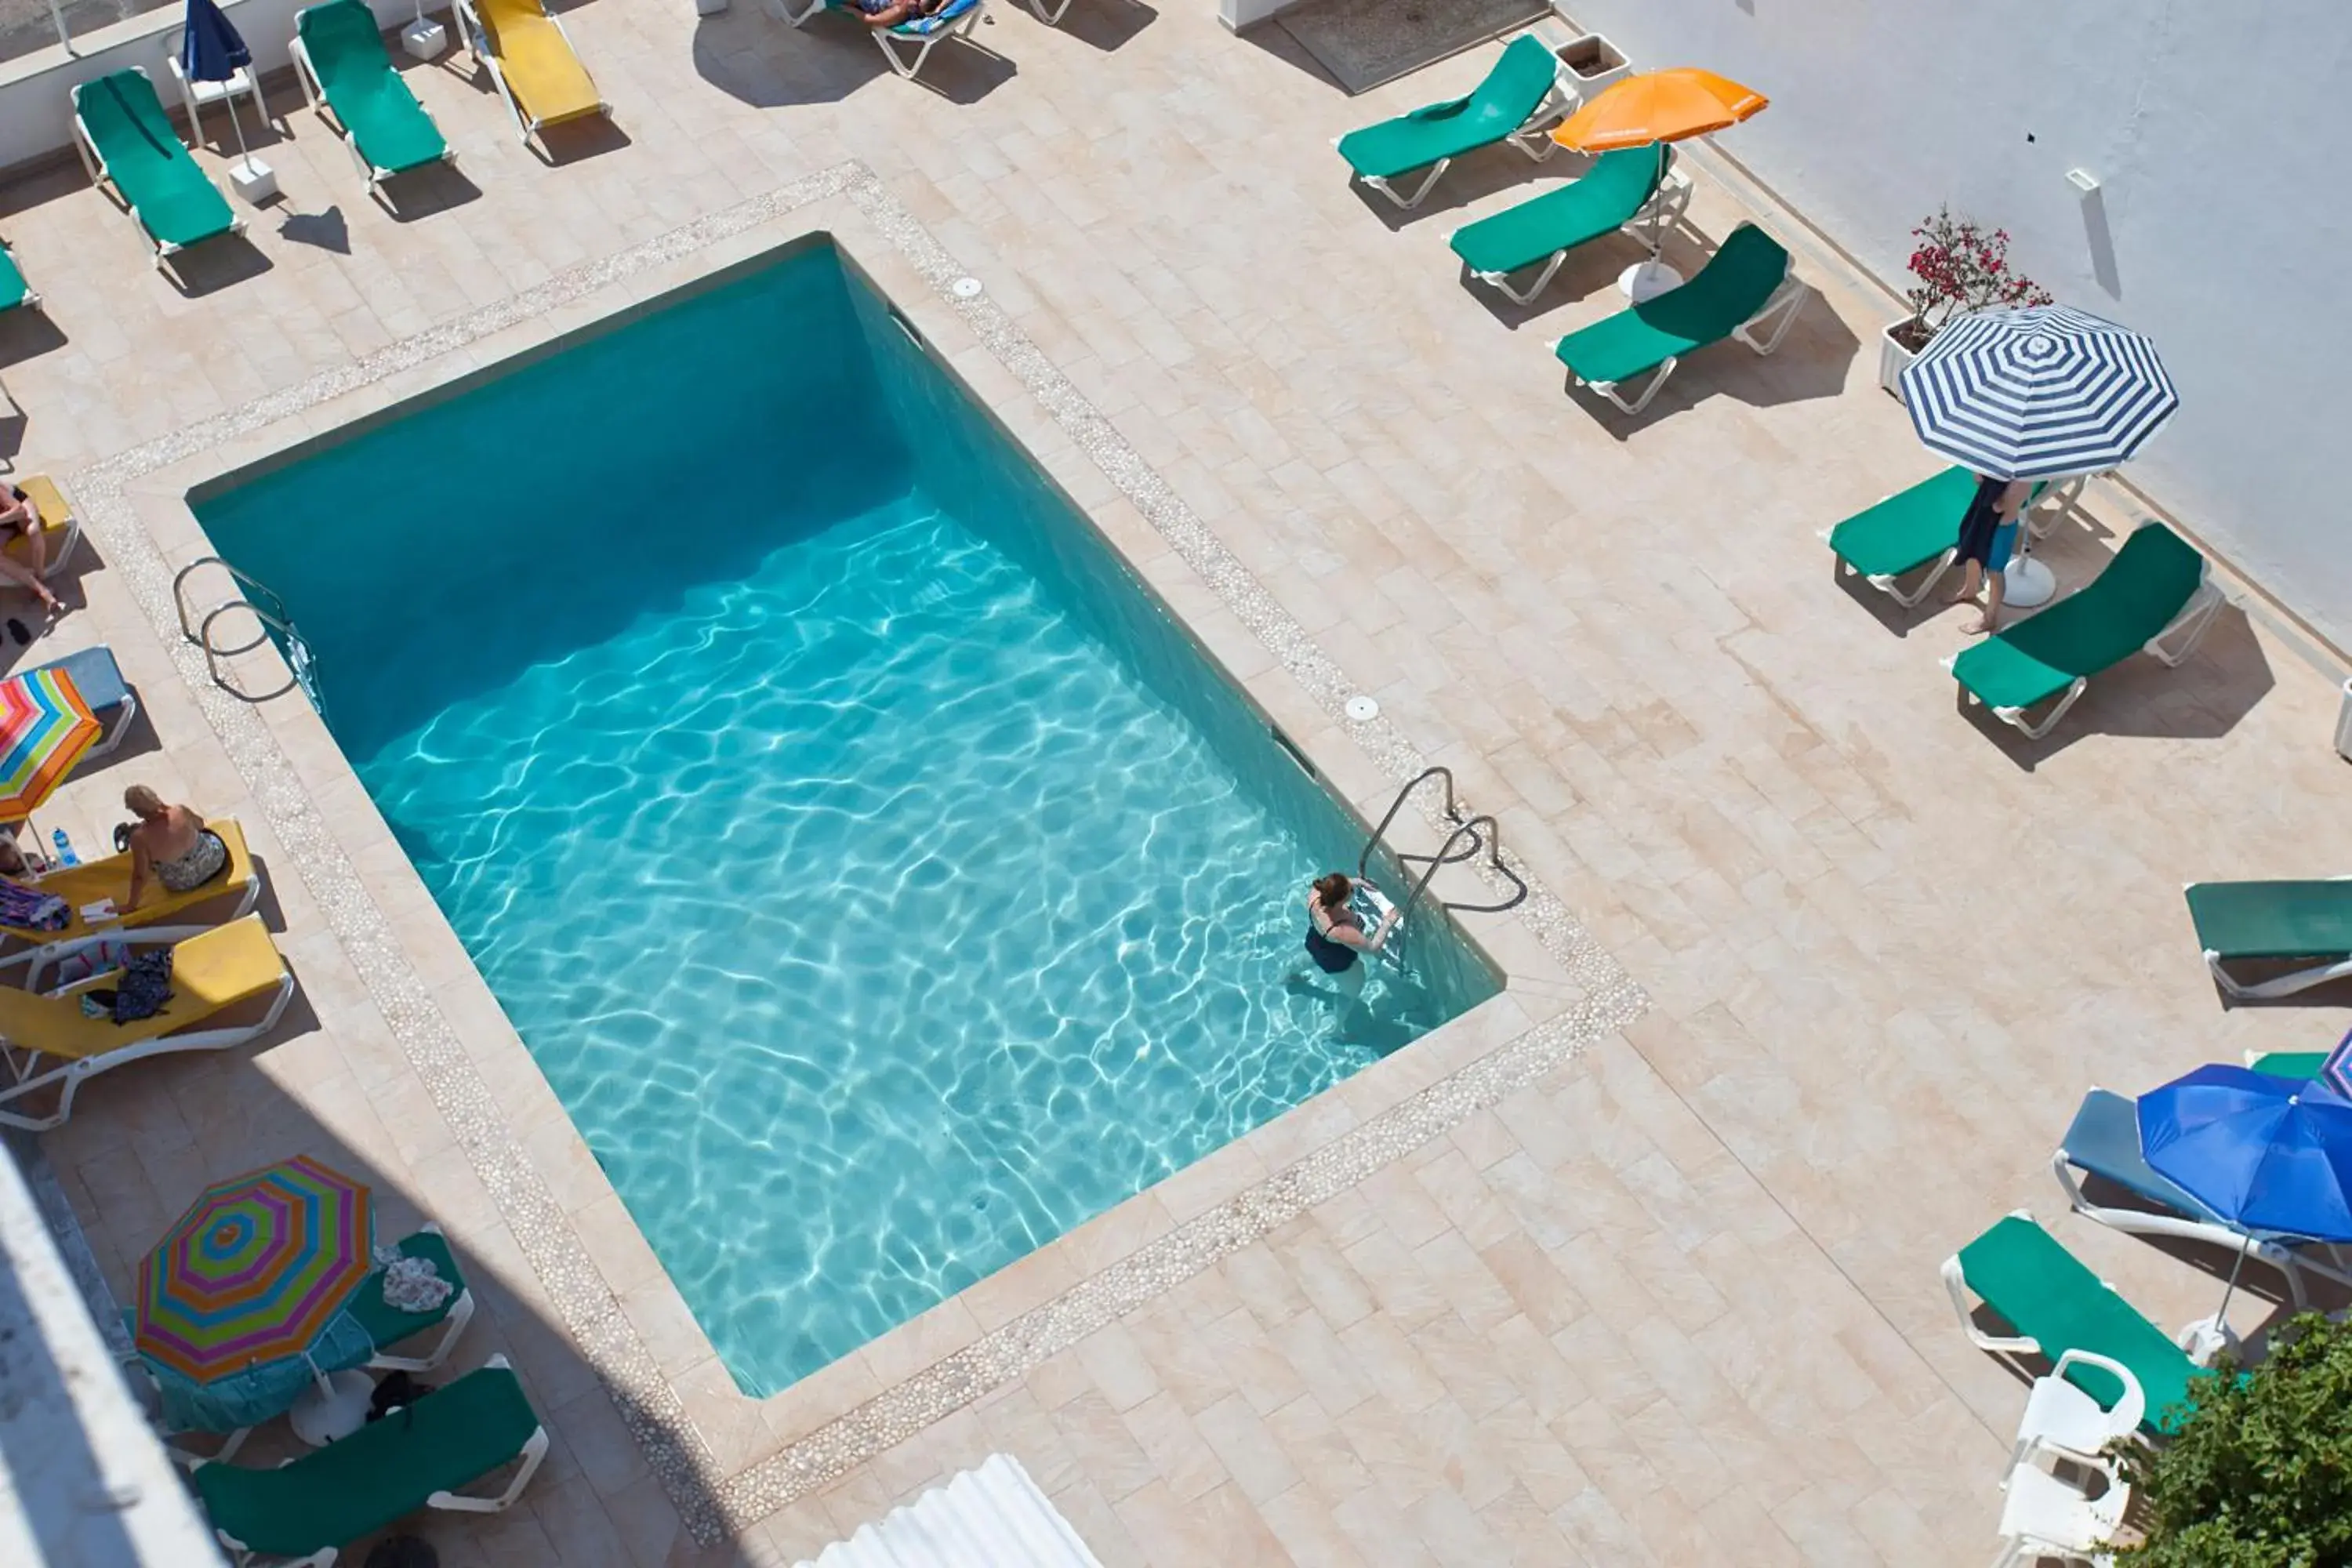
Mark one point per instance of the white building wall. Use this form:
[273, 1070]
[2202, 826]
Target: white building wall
[2222, 227]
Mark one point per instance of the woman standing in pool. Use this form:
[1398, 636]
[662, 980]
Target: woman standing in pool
[1335, 934]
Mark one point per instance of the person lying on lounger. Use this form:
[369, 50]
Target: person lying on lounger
[19, 519]
[880, 13]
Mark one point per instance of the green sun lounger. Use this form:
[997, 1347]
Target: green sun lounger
[1630, 186]
[416, 1458]
[2300, 1066]
[1742, 284]
[2153, 595]
[1518, 96]
[15, 292]
[340, 59]
[1919, 528]
[388, 1325]
[2307, 924]
[125, 142]
[2056, 1304]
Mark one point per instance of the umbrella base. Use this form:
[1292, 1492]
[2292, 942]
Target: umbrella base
[2204, 1340]
[2026, 582]
[333, 1407]
[255, 181]
[1647, 281]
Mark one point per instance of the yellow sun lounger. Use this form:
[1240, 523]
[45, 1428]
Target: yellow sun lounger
[59, 527]
[531, 61]
[86, 884]
[47, 1041]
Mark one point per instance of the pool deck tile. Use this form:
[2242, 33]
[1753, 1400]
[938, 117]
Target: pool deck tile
[1660, 1287]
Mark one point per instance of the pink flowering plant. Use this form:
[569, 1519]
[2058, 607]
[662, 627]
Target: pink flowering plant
[1961, 267]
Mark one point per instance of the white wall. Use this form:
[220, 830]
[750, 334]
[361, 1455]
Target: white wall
[2223, 227]
[35, 105]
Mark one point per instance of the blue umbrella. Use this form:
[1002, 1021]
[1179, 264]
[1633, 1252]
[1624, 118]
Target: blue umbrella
[2041, 393]
[2269, 1155]
[210, 50]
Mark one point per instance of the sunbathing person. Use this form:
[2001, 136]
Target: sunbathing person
[880, 13]
[20, 519]
[171, 845]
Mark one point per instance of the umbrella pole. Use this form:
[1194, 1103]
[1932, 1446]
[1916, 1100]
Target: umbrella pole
[2221, 1316]
[245, 158]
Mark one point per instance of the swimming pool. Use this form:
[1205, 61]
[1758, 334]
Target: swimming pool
[884, 880]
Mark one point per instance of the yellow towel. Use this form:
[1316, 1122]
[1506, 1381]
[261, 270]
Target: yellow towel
[210, 972]
[546, 78]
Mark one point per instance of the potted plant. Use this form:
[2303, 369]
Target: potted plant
[1960, 269]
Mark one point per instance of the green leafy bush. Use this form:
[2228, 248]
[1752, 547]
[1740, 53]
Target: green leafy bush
[2261, 1476]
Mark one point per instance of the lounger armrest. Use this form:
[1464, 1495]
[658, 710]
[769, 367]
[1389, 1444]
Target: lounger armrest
[130, 936]
[2063, 1167]
[1957, 1283]
[2132, 1408]
[1787, 300]
[534, 1451]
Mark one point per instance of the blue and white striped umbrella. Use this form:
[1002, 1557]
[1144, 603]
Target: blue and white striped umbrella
[2038, 394]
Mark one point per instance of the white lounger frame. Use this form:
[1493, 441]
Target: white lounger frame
[1665, 208]
[909, 66]
[1529, 138]
[314, 92]
[1051, 18]
[2060, 500]
[24, 1062]
[94, 163]
[1784, 301]
[534, 1452]
[2188, 628]
[477, 45]
[2289, 1262]
[2279, 985]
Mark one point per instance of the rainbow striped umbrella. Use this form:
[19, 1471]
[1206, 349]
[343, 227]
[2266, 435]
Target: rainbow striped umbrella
[250, 1280]
[44, 727]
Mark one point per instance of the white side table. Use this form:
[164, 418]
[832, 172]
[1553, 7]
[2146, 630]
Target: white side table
[196, 94]
[424, 40]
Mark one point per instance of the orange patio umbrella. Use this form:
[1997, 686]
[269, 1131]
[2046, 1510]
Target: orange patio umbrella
[1658, 106]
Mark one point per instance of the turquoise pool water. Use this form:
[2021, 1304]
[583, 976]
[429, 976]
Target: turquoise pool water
[883, 880]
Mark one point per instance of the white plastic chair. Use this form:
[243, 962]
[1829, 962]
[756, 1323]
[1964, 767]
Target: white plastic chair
[2044, 1517]
[2069, 1423]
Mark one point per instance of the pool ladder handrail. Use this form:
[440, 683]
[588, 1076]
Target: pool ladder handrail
[1469, 836]
[301, 663]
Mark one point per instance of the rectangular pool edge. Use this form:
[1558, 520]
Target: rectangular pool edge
[301, 735]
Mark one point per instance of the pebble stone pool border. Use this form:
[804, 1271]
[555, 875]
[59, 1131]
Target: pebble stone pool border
[710, 1504]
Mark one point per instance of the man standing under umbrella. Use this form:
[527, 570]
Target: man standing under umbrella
[1987, 535]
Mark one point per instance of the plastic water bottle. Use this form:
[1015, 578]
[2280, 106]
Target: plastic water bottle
[66, 855]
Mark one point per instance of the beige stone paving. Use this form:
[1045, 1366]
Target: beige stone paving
[1677, 1303]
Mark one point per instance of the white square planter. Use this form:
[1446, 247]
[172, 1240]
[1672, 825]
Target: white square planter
[1590, 62]
[253, 179]
[424, 40]
[1892, 358]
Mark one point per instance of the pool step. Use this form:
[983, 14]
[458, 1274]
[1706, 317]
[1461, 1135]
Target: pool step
[994, 1517]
